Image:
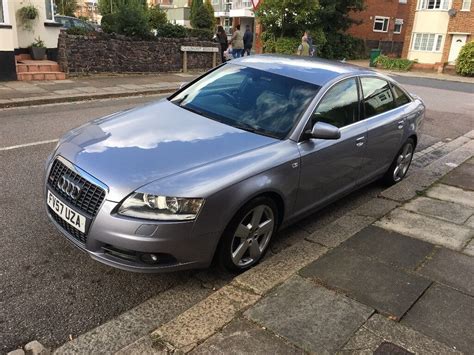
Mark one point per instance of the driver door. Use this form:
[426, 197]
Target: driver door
[329, 168]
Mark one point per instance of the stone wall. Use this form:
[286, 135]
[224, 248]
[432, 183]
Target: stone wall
[109, 53]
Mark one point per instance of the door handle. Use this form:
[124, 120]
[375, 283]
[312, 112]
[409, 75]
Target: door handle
[360, 141]
[401, 124]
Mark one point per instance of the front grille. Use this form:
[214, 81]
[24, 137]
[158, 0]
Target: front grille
[77, 234]
[91, 195]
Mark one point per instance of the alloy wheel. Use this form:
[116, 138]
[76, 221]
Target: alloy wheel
[252, 236]
[403, 162]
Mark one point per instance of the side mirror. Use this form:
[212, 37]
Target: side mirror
[323, 130]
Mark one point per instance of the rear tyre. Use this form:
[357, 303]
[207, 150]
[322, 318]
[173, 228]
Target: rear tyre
[247, 237]
[401, 163]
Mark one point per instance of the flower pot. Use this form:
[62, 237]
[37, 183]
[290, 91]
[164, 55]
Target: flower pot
[38, 53]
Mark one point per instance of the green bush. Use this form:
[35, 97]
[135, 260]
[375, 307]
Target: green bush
[170, 30]
[200, 33]
[340, 46]
[394, 63]
[133, 21]
[109, 23]
[287, 45]
[465, 61]
[157, 17]
[78, 31]
[268, 42]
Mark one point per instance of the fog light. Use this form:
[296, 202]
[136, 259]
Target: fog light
[150, 259]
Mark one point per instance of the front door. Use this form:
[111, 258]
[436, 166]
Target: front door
[330, 168]
[456, 44]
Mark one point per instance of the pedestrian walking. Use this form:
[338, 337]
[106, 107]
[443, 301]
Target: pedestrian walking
[224, 43]
[303, 49]
[312, 46]
[248, 40]
[237, 42]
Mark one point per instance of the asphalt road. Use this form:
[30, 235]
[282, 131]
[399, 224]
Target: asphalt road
[51, 291]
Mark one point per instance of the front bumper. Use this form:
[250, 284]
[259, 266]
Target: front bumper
[127, 243]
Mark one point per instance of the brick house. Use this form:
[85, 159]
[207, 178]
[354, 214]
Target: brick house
[437, 30]
[382, 24]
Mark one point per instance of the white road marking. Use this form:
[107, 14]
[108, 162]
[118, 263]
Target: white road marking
[28, 145]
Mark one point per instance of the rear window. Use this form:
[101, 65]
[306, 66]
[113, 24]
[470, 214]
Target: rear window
[400, 97]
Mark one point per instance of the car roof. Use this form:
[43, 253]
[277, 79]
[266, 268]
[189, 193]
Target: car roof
[313, 70]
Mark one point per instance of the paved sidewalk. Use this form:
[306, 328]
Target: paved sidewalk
[415, 73]
[392, 276]
[23, 93]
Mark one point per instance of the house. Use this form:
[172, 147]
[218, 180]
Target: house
[382, 25]
[177, 11]
[437, 30]
[230, 13]
[88, 9]
[15, 38]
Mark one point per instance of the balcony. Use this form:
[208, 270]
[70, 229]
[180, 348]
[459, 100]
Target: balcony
[241, 8]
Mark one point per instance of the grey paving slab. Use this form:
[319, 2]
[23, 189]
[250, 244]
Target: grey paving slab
[244, 337]
[310, 316]
[462, 177]
[469, 248]
[341, 229]
[132, 86]
[410, 187]
[389, 290]
[450, 268]
[362, 342]
[377, 207]
[449, 211]
[389, 247]
[452, 194]
[446, 315]
[470, 222]
[432, 230]
[403, 336]
[68, 92]
[390, 348]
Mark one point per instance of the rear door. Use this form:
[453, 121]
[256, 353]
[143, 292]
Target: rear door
[330, 168]
[385, 121]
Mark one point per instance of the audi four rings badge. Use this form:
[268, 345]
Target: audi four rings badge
[69, 187]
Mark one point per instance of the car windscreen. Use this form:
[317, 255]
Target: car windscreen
[249, 99]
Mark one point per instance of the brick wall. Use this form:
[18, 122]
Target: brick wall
[409, 27]
[103, 53]
[462, 22]
[384, 40]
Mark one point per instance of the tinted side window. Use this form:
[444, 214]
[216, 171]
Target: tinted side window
[400, 97]
[378, 97]
[340, 105]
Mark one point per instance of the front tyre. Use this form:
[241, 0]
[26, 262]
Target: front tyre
[401, 163]
[246, 239]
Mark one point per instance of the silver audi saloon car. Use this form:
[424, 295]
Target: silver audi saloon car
[211, 172]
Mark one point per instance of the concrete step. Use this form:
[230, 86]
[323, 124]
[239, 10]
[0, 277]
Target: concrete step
[54, 75]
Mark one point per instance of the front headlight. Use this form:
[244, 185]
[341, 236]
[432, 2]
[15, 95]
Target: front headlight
[142, 205]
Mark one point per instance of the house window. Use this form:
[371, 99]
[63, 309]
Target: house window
[398, 26]
[48, 5]
[4, 12]
[402, 1]
[433, 4]
[381, 24]
[466, 5]
[428, 42]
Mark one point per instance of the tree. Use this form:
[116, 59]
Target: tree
[132, 20]
[66, 7]
[157, 17]
[288, 18]
[202, 15]
[333, 15]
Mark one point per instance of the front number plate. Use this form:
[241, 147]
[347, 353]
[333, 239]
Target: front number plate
[75, 219]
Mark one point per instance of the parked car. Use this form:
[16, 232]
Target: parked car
[214, 170]
[72, 22]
